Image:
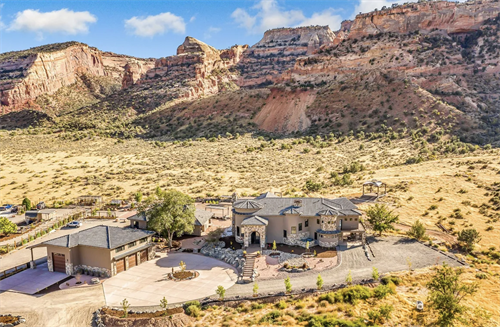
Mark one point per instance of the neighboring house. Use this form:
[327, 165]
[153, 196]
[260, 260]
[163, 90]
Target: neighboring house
[105, 249]
[31, 216]
[201, 223]
[295, 221]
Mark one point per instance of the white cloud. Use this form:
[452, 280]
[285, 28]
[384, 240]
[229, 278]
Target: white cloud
[151, 25]
[365, 6]
[2, 25]
[211, 31]
[192, 19]
[57, 21]
[270, 15]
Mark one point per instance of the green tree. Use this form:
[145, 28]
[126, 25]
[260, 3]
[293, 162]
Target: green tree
[172, 212]
[138, 197]
[348, 279]
[7, 227]
[375, 274]
[446, 293]
[163, 305]
[417, 231]
[221, 292]
[319, 282]
[288, 285]
[27, 204]
[468, 237]
[381, 218]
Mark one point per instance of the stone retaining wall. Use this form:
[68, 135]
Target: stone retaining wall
[233, 257]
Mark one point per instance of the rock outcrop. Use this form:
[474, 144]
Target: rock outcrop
[277, 52]
[26, 75]
[425, 16]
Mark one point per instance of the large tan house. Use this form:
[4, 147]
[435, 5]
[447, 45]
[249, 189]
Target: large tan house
[295, 221]
[103, 249]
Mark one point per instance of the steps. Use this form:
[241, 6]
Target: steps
[249, 266]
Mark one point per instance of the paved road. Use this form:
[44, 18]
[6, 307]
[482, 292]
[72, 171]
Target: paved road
[22, 256]
[391, 255]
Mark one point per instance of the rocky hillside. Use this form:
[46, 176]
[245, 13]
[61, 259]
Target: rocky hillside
[427, 66]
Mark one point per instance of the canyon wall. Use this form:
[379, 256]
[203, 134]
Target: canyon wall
[425, 16]
[264, 62]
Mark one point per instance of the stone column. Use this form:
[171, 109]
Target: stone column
[50, 266]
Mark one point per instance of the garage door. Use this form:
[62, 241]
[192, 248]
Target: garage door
[120, 265]
[59, 262]
[144, 256]
[132, 261]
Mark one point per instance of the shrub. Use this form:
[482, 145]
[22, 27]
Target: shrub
[271, 317]
[355, 293]
[190, 303]
[288, 285]
[257, 306]
[417, 231]
[388, 279]
[193, 311]
[382, 291]
[281, 305]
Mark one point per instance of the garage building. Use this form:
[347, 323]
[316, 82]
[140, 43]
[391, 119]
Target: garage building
[102, 249]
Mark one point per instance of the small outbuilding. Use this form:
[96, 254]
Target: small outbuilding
[370, 185]
[201, 222]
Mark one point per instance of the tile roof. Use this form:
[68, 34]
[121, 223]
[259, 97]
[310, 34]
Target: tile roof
[255, 220]
[102, 236]
[202, 217]
[270, 206]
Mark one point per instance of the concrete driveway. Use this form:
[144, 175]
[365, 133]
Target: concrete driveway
[146, 284]
[31, 281]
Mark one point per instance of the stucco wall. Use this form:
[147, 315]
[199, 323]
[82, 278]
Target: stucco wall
[350, 222]
[94, 257]
[142, 224]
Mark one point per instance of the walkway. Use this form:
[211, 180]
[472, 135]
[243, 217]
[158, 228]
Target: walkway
[391, 255]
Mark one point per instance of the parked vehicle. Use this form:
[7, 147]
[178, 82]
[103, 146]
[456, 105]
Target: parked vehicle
[8, 206]
[40, 205]
[420, 305]
[3, 209]
[74, 223]
[14, 209]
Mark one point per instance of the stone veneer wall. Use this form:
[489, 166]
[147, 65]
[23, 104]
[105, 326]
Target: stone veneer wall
[248, 230]
[329, 242]
[98, 270]
[296, 240]
[329, 223]
[49, 264]
[69, 268]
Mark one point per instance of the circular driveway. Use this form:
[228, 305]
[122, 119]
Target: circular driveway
[146, 284]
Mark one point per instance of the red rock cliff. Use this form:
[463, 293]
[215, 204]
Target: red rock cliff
[451, 17]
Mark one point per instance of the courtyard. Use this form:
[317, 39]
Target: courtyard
[147, 284]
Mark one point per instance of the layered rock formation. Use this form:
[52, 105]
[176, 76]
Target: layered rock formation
[197, 70]
[425, 16]
[264, 62]
[26, 75]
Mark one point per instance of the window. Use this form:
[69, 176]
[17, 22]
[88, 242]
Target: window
[121, 248]
[294, 230]
[143, 240]
[300, 227]
[317, 221]
[350, 219]
[131, 245]
[355, 219]
[237, 231]
[284, 233]
[306, 224]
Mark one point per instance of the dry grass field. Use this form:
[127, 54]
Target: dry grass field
[450, 190]
[413, 288]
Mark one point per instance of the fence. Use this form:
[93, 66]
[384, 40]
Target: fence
[40, 231]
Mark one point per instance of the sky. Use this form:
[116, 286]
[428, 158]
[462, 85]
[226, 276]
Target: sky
[154, 28]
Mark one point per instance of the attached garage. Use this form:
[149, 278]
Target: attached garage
[120, 265]
[132, 261]
[59, 262]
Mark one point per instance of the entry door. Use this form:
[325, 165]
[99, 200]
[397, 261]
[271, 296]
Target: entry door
[315, 236]
[59, 262]
[284, 233]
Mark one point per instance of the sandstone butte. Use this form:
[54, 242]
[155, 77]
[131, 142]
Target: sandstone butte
[199, 70]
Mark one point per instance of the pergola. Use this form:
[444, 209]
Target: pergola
[378, 185]
[89, 200]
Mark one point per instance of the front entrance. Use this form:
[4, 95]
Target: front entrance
[255, 238]
[59, 262]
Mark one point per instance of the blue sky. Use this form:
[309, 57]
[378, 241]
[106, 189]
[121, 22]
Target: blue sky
[145, 28]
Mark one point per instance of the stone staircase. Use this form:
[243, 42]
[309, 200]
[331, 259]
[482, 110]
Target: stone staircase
[249, 266]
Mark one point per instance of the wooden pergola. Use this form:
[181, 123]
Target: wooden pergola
[378, 185]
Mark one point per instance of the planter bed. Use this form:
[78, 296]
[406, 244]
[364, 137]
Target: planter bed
[157, 314]
[327, 254]
[179, 276]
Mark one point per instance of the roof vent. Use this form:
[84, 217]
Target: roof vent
[297, 203]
